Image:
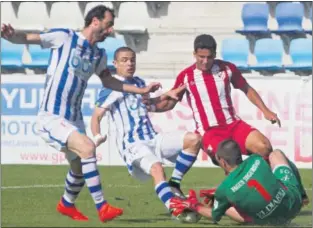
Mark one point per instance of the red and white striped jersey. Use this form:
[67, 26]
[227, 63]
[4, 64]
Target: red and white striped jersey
[209, 93]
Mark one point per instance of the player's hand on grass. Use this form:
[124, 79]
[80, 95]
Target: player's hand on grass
[152, 87]
[7, 31]
[271, 116]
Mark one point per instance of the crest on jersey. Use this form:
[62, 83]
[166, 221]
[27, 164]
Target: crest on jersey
[134, 102]
[221, 75]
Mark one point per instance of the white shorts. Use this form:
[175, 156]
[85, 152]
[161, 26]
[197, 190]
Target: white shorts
[141, 155]
[55, 130]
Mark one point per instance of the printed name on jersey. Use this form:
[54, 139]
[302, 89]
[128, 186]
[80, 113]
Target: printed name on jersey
[245, 179]
[269, 208]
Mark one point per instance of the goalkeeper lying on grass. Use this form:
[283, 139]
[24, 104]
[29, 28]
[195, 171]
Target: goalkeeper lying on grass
[253, 191]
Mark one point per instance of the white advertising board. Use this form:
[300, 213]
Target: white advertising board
[291, 98]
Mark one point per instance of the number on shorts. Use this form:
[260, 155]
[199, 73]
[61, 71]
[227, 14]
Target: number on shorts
[260, 189]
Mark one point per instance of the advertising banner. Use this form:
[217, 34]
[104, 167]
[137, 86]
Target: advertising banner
[290, 98]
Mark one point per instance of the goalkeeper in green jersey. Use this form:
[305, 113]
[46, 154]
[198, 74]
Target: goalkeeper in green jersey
[253, 191]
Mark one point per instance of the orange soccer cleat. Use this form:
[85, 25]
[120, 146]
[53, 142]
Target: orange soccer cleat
[71, 212]
[108, 212]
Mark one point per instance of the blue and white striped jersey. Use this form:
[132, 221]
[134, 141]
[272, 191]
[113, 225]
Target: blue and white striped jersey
[72, 62]
[128, 113]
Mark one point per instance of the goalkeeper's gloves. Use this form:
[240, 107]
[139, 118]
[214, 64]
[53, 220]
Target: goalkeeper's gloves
[208, 195]
[191, 202]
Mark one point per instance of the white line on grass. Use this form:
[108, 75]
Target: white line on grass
[33, 186]
[105, 186]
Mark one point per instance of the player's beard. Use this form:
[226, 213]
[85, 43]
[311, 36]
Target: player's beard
[102, 37]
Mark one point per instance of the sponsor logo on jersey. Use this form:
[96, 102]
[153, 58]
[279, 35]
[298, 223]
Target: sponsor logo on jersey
[275, 202]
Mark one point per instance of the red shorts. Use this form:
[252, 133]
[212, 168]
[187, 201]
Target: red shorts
[237, 131]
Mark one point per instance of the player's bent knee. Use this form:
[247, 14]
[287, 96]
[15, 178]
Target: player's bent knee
[192, 140]
[156, 170]
[277, 157]
[264, 148]
[81, 145]
[88, 150]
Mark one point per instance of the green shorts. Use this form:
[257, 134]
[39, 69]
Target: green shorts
[287, 177]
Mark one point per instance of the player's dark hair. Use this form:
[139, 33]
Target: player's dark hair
[122, 49]
[230, 151]
[205, 41]
[98, 12]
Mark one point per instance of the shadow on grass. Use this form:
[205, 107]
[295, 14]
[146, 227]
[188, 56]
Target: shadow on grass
[305, 213]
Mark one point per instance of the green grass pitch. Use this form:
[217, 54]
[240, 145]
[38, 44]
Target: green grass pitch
[30, 194]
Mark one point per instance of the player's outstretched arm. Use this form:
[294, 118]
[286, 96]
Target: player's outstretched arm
[158, 105]
[234, 215]
[166, 101]
[239, 82]
[112, 83]
[256, 99]
[96, 118]
[19, 37]
[230, 212]
[193, 204]
[207, 211]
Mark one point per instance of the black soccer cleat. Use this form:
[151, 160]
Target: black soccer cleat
[175, 187]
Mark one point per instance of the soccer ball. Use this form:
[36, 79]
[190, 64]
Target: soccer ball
[188, 216]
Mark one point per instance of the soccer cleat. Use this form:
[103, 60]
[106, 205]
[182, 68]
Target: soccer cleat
[71, 212]
[175, 187]
[174, 210]
[107, 212]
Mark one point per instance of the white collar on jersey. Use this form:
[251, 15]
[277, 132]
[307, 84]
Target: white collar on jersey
[121, 78]
[81, 35]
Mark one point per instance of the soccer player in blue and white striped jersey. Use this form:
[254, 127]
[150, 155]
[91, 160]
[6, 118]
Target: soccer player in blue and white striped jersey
[140, 146]
[74, 58]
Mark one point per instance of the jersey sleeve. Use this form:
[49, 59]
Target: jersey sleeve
[179, 80]
[54, 38]
[237, 79]
[220, 206]
[106, 98]
[101, 65]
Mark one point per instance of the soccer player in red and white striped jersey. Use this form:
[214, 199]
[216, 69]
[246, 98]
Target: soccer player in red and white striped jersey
[208, 90]
[207, 86]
